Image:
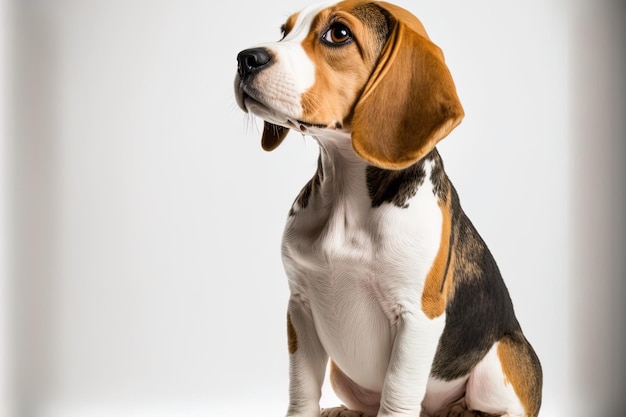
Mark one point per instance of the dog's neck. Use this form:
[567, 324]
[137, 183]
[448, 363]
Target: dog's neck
[341, 169]
[337, 147]
[343, 173]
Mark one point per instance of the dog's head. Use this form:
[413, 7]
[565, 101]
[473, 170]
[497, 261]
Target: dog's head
[365, 67]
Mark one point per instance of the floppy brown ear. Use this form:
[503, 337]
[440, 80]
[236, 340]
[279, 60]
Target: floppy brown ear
[273, 136]
[409, 104]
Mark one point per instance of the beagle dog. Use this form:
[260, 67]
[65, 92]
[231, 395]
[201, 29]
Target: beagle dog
[389, 279]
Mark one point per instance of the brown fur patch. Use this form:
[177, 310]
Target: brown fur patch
[292, 337]
[520, 368]
[340, 71]
[438, 285]
[409, 102]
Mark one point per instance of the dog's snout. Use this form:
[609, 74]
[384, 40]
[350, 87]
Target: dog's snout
[252, 60]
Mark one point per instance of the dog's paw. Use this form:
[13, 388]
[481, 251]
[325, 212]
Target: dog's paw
[340, 412]
[460, 411]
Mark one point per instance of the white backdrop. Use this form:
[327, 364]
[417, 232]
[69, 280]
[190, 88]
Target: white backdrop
[144, 273]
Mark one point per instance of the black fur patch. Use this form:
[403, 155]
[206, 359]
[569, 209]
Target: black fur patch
[480, 312]
[395, 187]
[377, 18]
[438, 177]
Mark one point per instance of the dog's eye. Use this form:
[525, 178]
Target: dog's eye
[337, 34]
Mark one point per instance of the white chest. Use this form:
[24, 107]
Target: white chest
[356, 267]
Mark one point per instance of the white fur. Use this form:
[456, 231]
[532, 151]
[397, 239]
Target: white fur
[489, 390]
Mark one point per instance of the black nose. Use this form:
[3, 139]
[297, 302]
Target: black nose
[252, 60]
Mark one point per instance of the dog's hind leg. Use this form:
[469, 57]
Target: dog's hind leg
[507, 381]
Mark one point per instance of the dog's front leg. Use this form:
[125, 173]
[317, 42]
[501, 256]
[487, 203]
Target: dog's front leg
[412, 356]
[307, 362]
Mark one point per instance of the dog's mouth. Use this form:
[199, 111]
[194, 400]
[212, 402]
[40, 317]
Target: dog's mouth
[251, 100]
[242, 97]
